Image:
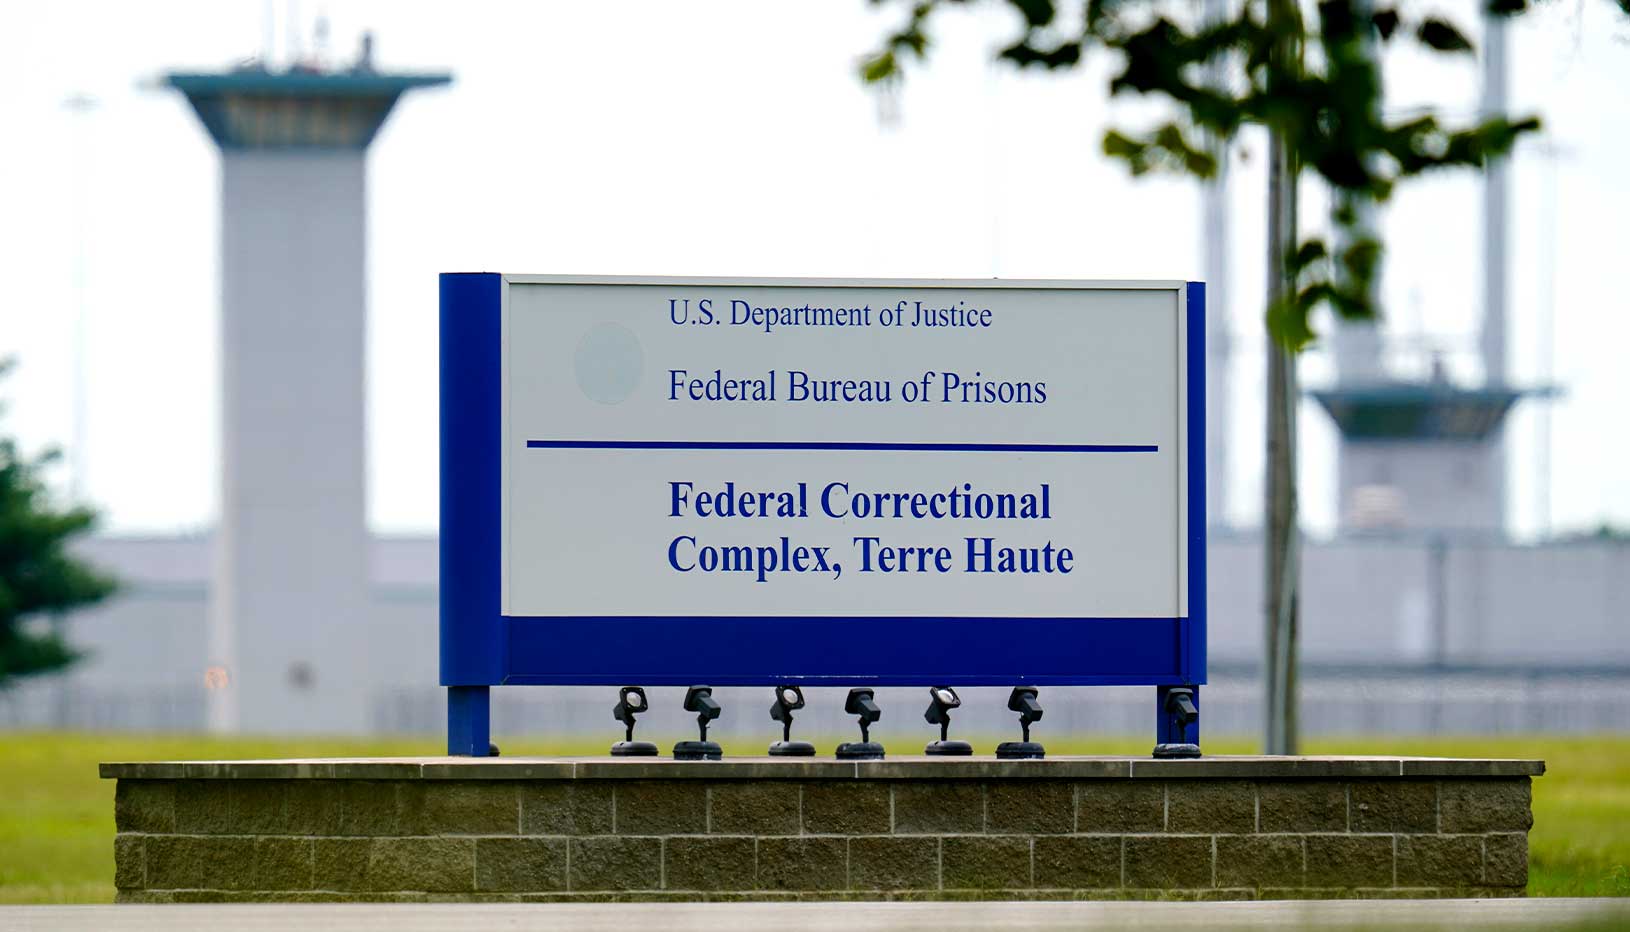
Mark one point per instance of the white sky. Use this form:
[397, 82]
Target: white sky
[733, 138]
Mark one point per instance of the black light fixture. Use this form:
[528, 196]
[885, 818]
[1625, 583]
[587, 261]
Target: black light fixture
[699, 699]
[1181, 711]
[631, 701]
[862, 703]
[787, 700]
[941, 700]
[1023, 701]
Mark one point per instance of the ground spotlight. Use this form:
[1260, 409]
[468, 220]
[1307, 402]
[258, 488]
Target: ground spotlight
[699, 699]
[787, 700]
[1023, 701]
[631, 701]
[862, 703]
[941, 700]
[1180, 710]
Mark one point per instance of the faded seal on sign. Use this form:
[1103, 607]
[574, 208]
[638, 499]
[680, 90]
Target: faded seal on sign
[610, 362]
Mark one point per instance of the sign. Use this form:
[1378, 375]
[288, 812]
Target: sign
[668, 481]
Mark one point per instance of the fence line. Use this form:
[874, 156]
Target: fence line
[1372, 702]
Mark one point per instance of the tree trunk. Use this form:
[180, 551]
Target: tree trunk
[1282, 550]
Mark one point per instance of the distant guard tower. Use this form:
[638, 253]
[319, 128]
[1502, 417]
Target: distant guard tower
[1421, 455]
[1429, 455]
[291, 571]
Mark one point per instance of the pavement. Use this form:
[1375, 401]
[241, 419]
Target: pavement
[1483, 915]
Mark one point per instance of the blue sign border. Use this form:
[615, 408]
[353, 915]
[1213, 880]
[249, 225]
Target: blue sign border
[482, 647]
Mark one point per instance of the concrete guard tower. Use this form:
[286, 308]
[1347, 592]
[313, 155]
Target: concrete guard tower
[1427, 455]
[290, 587]
[1422, 455]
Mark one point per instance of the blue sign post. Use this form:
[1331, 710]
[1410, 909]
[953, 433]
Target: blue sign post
[839, 483]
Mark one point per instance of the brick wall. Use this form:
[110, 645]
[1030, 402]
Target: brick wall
[762, 830]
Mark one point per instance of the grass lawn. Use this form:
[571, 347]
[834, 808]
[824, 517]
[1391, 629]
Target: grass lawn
[56, 816]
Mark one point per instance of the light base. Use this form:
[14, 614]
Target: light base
[1020, 750]
[633, 749]
[949, 749]
[792, 749]
[1174, 751]
[697, 750]
[860, 750]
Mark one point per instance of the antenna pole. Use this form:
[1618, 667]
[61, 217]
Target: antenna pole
[80, 106]
[295, 52]
[268, 33]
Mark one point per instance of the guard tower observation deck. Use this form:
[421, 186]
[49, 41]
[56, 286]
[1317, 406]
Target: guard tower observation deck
[290, 587]
[257, 109]
[1422, 455]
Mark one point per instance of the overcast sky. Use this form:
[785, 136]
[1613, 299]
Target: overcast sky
[733, 139]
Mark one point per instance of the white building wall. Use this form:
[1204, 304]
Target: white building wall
[152, 637]
[1364, 601]
[1234, 581]
[1368, 601]
[1540, 605]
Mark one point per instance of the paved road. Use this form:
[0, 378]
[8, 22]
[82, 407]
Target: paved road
[1482, 915]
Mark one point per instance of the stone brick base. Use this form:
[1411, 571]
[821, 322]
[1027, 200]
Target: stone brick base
[1068, 828]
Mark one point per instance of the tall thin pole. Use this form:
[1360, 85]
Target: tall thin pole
[1219, 339]
[268, 33]
[1547, 334]
[294, 51]
[1283, 559]
[1357, 344]
[1494, 208]
[80, 106]
[1495, 243]
[1282, 566]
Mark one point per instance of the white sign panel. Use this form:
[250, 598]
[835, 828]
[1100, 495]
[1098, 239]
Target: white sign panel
[835, 448]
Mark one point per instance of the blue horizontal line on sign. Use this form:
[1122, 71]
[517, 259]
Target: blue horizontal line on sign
[840, 446]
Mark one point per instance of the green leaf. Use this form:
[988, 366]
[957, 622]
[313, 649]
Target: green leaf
[1362, 259]
[1314, 84]
[879, 68]
[1035, 12]
[1024, 54]
[1352, 305]
[1288, 324]
[1117, 145]
[1385, 22]
[1308, 253]
[1440, 35]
